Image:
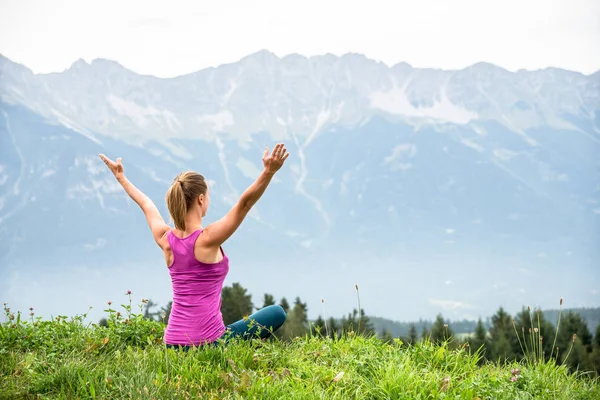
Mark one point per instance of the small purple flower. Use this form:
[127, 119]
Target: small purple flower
[515, 371]
[30, 308]
[129, 292]
[514, 378]
[109, 302]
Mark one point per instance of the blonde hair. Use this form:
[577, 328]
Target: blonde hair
[184, 190]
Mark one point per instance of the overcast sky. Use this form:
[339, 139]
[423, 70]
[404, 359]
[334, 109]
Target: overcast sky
[169, 38]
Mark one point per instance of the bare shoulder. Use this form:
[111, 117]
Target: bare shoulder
[206, 238]
[205, 249]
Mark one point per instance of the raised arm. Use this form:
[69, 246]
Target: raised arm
[155, 221]
[218, 232]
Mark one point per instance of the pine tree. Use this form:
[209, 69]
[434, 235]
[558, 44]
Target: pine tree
[479, 338]
[268, 300]
[425, 335]
[365, 327]
[165, 312]
[595, 356]
[236, 303]
[502, 350]
[440, 331]
[318, 327]
[349, 324]
[412, 334]
[386, 336]
[297, 321]
[284, 304]
[147, 307]
[333, 328]
[579, 357]
[572, 323]
[502, 338]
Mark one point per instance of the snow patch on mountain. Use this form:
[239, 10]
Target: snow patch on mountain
[69, 123]
[401, 154]
[141, 116]
[217, 122]
[91, 165]
[471, 144]
[47, 173]
[16, 186]
[231, 197]
[504, 154]
[322, 118]
[396, 101]
[94, 189]
[3, 175]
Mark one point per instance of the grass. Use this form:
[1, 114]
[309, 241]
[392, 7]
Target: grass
[67, 359]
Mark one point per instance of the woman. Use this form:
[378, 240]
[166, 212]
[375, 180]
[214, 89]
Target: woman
[195, 257]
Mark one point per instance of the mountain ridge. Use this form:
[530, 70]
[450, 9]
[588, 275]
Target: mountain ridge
[400, 64]
[250, 97]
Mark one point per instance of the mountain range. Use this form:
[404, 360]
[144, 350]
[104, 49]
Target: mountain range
[453, 191]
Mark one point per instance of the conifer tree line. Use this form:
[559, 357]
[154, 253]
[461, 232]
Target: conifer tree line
[527, 335]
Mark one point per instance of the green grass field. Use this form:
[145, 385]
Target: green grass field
[67, 359]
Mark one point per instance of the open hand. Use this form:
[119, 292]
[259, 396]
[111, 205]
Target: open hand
[115, 167]
[275, 160]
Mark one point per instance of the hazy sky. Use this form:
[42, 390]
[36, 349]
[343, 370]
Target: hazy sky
[169, 38]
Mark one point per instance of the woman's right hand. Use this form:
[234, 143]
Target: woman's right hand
[275, 160]
[115, 167]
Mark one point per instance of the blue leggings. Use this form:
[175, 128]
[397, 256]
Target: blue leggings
[264, 321]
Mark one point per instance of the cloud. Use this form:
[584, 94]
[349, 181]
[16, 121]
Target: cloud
[152, 38]
[152, 22]
[100, 243]
[549, 175]
[526, 271]
[504, 154]
[450, 231]
[448, 305]
[247, 168]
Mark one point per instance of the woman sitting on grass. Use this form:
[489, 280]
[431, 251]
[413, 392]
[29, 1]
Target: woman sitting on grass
[196, 261]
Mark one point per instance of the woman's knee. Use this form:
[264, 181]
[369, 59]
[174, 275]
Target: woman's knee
[278, 313]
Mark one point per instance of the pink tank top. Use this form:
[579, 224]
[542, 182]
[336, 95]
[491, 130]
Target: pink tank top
[195, 317]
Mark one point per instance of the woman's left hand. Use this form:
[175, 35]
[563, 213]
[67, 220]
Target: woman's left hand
[115, 167]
